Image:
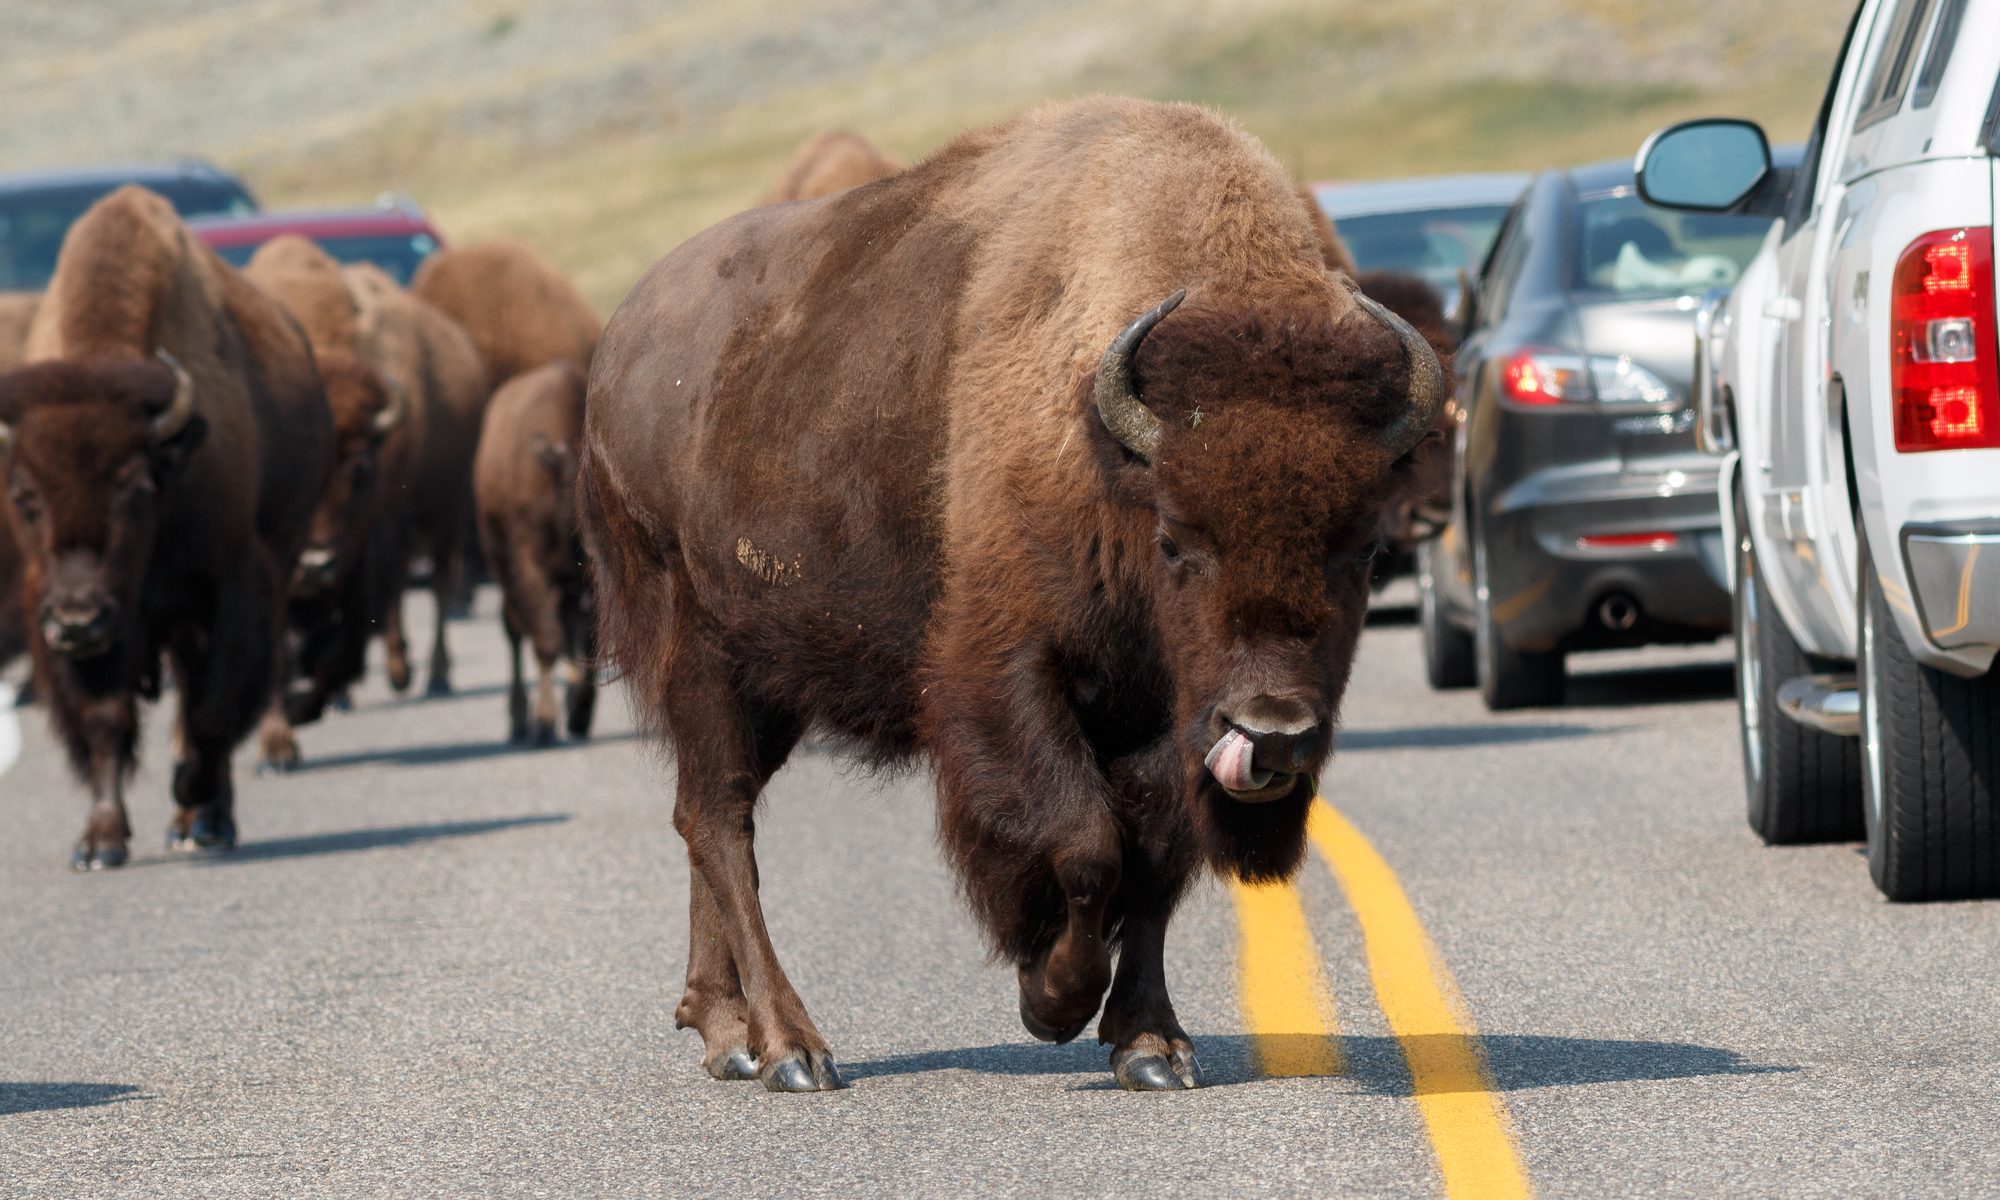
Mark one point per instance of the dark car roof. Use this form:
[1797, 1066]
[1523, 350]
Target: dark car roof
[310, 223]
[109, 175]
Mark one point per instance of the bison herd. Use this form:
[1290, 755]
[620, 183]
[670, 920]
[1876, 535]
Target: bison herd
[1057, 460]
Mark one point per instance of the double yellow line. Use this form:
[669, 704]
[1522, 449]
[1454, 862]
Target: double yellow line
[1289, 1007]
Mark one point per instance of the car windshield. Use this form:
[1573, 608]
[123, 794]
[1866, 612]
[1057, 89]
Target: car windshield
[1435, 244]
[33, 223]
[1627, 247]
[399, 255]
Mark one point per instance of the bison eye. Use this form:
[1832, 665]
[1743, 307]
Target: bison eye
[1368, 552]
[27, 504]
[1170, 549]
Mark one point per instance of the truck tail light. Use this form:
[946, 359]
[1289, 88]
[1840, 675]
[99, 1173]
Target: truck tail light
[1944, 365]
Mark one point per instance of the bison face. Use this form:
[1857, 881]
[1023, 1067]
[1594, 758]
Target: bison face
[366, 409]
[87, 449]
[1251, 454]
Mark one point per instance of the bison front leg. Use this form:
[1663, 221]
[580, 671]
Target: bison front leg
[1061, 991]
[1149, 1050]
[107, 831]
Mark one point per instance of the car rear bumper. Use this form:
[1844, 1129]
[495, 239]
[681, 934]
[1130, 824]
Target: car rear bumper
[1550, 583]
[1954, 573]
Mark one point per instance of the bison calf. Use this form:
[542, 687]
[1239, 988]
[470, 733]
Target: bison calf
[524, 490]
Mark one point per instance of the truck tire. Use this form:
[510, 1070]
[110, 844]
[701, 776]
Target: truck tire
[1931, 757]
[1447, 648]
[1804, 786]
[1509, 678]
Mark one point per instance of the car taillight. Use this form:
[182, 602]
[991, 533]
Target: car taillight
[1944, 366]
[1540, 378]
[1543, 377]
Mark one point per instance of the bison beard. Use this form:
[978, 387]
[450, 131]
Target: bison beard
[930, 465]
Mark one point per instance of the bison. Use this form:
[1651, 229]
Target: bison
[1056, 458]
[427, 489]
[17, 309]
[520, 311]
[831, 161]
[524, 490]
[163, 447]
[332, 589]
[1424, 503]
[17, 312]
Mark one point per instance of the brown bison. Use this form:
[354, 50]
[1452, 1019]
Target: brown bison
[1424, 504]
[1057, 458]
[427, 485]
[333, 592]
[1332, 247]
[17, 312]
[520, 311]
[831, 161]
[524, 488]
[164, 448]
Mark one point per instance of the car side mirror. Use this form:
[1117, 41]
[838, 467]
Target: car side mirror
[1716, 164]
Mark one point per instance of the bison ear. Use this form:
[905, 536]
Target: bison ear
[168, 455]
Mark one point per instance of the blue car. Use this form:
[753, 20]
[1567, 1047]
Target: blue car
[37, 208]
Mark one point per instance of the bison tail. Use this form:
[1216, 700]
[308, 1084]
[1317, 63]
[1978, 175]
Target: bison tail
[634, 592]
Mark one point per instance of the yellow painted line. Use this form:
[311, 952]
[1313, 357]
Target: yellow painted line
[1453, 1089]
[1282, 987]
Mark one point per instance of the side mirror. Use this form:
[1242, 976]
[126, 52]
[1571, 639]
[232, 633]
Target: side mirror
[1710, 165]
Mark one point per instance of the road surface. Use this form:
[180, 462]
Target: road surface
[1532, 953]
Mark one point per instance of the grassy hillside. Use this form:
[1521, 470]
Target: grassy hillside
[606, 132]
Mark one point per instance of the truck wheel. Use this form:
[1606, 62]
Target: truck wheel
[1930, 748]
[1447, 648]
[1804, 785]
[1509, 678]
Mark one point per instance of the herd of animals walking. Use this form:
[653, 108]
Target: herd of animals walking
[1058, 459]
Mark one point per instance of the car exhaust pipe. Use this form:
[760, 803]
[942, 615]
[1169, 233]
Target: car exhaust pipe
[1618, 612]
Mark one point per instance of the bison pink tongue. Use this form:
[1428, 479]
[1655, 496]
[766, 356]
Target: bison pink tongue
[1229, 761]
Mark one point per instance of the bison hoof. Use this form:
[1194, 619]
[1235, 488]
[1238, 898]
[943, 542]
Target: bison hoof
[283, 764]
[341, 701]
[1146, 1071]
[801, 1072]
[204, 833]
[103, 858]
[545, 734]
[736, 1065]
[439, 688]
[517, 733]
[1045, 1032]
[399, 677]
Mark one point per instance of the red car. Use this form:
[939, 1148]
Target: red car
[394, 234]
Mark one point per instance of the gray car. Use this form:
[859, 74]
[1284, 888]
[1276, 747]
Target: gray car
[1436, 227]
[1583, 515]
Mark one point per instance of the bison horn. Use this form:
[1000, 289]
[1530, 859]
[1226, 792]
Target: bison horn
[1426, 380]
[396, 411]
[181, 409]
[1118, 404]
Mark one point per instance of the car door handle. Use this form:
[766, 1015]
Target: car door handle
[1783, 308]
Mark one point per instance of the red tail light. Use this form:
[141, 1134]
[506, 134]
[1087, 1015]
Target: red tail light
[1542, 377]
[1665, 539]
[1944, 366]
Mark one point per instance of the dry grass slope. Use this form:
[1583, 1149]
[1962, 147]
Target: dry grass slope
[605, 133]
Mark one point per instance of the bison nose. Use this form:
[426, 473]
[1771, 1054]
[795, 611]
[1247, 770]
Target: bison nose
[77, 628]
[1264, 744]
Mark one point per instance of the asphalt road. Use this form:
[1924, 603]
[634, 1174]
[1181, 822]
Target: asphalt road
[441, 966]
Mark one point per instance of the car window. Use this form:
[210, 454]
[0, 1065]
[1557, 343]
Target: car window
[1943, 38]
[1503, 265]
[34, 223]
[1805, 183]
[1626, 247]
[1433, 244]
[1884, 94]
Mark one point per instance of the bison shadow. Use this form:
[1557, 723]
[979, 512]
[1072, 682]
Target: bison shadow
[16, 1098]
[1635, 688]
[1374, 1065]
[416, 698]
[308, 845]
[1446, 737]
[445, 753]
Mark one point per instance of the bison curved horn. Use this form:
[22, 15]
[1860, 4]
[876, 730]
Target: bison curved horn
[1118, 404]
[181, 409]
[1426, 380]
[396, 411]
